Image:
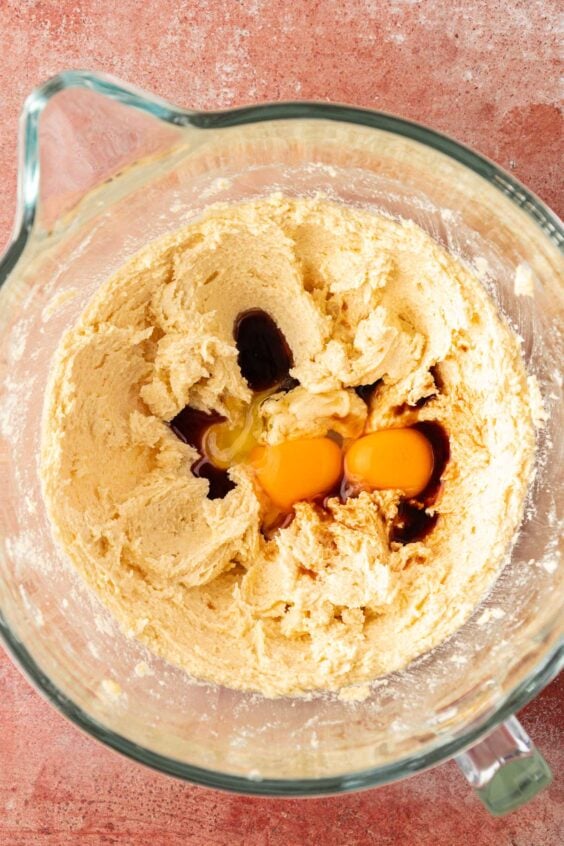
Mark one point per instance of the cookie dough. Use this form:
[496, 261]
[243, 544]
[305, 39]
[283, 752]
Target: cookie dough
[329, 600]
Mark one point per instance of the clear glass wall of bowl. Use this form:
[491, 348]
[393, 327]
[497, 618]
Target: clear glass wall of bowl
[115, 175]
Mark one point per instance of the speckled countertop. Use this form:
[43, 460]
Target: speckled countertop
[485, 72]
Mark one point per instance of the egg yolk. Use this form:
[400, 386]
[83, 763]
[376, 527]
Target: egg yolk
[296, 470]
[400, 459]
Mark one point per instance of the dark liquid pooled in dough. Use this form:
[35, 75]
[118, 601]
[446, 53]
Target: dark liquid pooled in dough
[190, 426]
[264, 357]
[366, 391]
[413, 523]
[438, 438]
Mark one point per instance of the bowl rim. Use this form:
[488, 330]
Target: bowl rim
[26, 211]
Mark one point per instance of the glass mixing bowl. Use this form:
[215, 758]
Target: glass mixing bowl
[106, 168]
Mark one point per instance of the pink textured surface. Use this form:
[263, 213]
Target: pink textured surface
[484, 72]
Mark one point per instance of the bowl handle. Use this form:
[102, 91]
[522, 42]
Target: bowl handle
[505, 769]
[77, 131]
